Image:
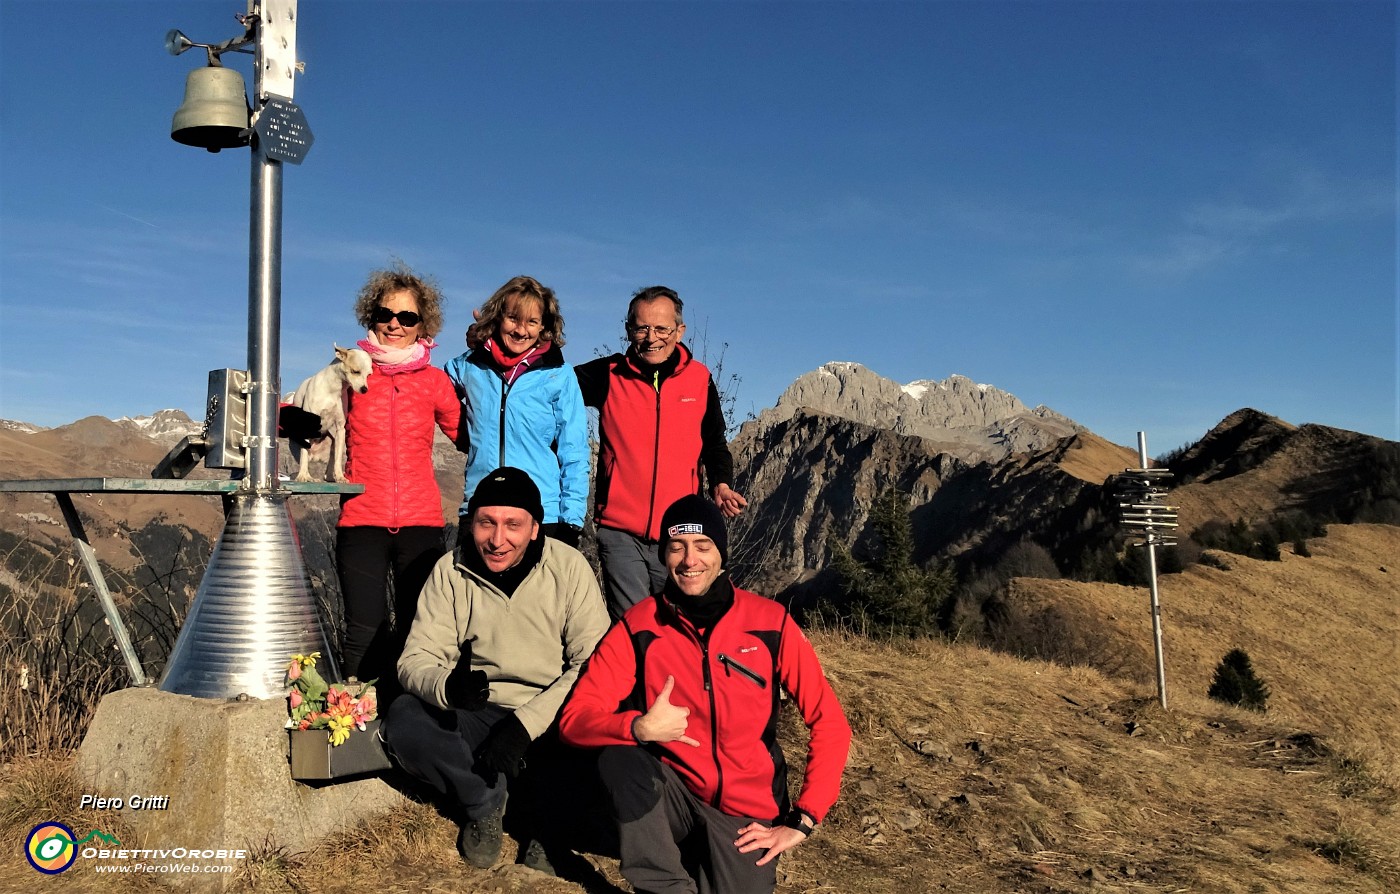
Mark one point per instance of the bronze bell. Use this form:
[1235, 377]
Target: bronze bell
[215, 112]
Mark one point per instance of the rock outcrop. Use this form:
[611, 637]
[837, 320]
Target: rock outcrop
[956, 415]
[813, 477]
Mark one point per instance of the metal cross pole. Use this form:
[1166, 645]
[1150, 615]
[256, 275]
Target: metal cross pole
[254, 608]
[274, 67]
[1141, 509]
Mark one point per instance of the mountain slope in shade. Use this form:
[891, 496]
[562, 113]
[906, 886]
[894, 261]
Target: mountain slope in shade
[812, 477]
[1253, 466]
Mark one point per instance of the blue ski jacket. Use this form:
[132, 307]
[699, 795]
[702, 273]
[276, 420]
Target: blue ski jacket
[535, 422]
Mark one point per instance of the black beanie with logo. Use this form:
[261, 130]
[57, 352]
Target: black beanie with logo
[507, 486]
[693, 514]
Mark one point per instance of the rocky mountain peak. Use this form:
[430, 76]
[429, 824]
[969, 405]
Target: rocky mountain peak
[162, 425]
[24, 428]
[973, 421]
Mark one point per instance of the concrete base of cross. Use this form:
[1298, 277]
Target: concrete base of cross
[197, 775]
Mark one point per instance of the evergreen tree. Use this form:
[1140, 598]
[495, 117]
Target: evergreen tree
[889, 595]
[1236, 683]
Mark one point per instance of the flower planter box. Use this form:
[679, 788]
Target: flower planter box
[313, 758]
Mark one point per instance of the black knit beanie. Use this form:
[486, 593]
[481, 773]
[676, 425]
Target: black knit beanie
[507, 486]
[693, 514]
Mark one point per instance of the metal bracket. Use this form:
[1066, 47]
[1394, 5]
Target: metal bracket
[276, 58]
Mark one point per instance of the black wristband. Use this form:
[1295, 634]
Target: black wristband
[798, 820]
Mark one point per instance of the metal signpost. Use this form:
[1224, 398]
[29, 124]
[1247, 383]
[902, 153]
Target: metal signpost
[1142, 492]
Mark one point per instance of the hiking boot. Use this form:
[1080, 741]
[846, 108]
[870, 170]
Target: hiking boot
[479, 840]
[535, 858]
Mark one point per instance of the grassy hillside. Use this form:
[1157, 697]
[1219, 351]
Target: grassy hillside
[1323, 631]
[974, 771]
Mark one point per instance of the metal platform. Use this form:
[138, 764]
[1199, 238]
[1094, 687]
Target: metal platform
[64, 488]
[164, 486]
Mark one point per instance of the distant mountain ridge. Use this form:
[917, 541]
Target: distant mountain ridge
[130, 447]
[163, 425]
[972, 421]
[812, 478]
[983, 473]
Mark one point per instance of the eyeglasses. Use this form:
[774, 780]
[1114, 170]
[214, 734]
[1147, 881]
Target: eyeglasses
[648, 331]
[406, 318]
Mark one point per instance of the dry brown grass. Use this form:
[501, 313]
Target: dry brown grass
[973, 771]
[35, 790]
[978, 772]
[1320, 631]
[981, 772]
[55, 663]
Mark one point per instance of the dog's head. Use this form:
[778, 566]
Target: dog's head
[355, 366]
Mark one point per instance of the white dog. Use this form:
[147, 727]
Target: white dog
[327, 395]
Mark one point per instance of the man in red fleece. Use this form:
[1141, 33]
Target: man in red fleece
[682, 697]
[660, 426]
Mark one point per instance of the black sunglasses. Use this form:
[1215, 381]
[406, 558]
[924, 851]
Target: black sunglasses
[406, 317]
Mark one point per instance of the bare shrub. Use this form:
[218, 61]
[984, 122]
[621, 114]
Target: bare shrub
[757, 551]
[58, 654]
[58, 661]
[1057, 633]
[1027, 558]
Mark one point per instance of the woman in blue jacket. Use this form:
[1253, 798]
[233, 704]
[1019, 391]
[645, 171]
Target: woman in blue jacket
[521, 404]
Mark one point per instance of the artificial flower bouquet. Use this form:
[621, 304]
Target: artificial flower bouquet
[338, 708]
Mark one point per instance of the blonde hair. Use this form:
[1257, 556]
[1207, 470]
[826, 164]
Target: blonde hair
[489, 315]
[399, 278]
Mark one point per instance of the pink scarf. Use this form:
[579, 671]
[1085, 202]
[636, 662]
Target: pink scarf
[392, 361]
[513, 367]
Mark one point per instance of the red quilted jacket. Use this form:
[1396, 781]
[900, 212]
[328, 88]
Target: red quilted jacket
[389, 434]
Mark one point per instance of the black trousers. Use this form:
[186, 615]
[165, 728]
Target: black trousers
[364, 559]
[555, 799]
[437, 747]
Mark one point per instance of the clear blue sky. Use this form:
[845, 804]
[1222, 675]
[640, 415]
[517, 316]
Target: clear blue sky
[1143, 215]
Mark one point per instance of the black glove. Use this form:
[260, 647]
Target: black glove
[296, 424]
[504, 748]
[465, 688]
[564, 532]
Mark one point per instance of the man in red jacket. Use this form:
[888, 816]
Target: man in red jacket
[659, 423]
[682, 697]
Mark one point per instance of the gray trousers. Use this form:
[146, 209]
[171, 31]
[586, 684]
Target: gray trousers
[632, 569]
[670, 841]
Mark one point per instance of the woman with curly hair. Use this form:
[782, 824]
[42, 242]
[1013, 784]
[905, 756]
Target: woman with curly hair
[521, 404]
[396, 525]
